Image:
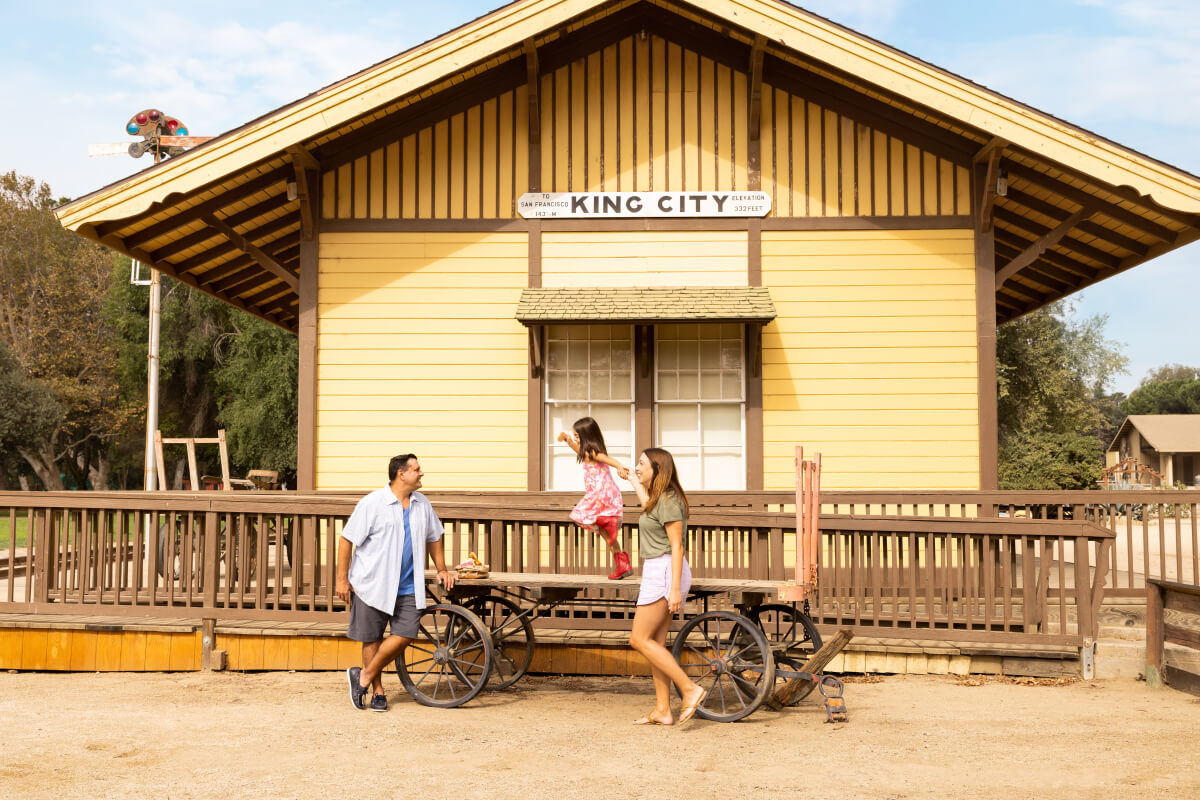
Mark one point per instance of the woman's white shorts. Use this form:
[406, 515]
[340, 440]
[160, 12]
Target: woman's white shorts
[656, 580]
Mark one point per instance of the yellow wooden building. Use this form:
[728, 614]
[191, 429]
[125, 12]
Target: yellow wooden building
[910, 212]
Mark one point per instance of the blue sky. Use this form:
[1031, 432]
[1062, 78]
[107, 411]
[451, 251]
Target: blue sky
[1129, 70]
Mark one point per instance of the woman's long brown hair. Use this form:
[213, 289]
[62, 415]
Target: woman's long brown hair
[666, 478]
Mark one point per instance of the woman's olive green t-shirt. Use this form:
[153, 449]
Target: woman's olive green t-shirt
[652, 526]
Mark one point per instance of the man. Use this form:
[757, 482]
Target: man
[385, 582]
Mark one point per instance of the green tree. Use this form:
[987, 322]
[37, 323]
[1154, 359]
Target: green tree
[52, 287]
[1052, 370]
[1169, 389]
[218, 367]
[257, 397]
[28, 413]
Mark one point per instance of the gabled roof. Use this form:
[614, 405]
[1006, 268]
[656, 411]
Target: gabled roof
[1079, 208]
[1166, 433]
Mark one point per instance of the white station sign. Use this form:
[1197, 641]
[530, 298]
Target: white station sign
[619, 205]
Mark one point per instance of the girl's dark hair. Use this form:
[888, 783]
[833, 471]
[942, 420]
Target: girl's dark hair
[665, 480]
[591, 440]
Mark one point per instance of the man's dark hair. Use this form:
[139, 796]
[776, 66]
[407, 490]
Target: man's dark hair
[398, 464]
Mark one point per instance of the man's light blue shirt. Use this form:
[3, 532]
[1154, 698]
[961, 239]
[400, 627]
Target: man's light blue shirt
[376, 529]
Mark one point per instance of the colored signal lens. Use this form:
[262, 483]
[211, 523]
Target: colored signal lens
[154, 114]
[181, 132]
[132, 129]
[172, 124]
[141, 118]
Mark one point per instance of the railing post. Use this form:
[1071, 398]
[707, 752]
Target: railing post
[1085, 620]
[41, 553]
[212, 537]
[1154, 634]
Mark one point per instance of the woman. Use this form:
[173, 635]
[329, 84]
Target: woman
[666, 579]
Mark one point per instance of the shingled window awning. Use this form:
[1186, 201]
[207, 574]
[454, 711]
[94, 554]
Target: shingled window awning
[639, 304]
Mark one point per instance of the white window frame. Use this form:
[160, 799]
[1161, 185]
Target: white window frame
[704, 483]
[552, 446]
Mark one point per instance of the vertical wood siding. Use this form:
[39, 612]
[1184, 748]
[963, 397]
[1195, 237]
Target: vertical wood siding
[644, 258]
[645, 116]
[872, 360]
[417, 350]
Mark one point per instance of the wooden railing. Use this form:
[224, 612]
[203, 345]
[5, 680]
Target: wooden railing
[1172, 616]
[270, 555]
[1157, 531]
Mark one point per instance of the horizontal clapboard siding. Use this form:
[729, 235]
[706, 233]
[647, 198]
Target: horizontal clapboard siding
[418, 351]
[872, 361]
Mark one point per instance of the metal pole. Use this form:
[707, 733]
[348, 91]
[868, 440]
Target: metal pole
[151, 481]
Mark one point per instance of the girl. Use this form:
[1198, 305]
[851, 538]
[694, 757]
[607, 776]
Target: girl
[666, 579]
[601, 507]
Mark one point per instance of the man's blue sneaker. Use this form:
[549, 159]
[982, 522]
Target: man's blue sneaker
[379, 702]
[356, 692]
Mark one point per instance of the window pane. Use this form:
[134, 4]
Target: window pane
[710, 386]
[668, 356]
[723, 471]
[689, 386]
[577, 386]
[556, 355]
[677, 426]
[721, 426]
[577, 357]
[710, 354]
[556, 388]
[731, 354]
[668, 386]
[600, 386]
[731, 386]
[688, 465]
[689, 355]
[622, 388]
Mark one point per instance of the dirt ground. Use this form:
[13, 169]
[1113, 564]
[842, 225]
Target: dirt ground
[295, 735]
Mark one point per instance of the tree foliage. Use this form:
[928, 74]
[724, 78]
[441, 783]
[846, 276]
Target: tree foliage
[73, 362]
[1052, 371]
[52, 288]
[1169, 389]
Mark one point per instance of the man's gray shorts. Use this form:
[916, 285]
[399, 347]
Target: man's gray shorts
[368, 624]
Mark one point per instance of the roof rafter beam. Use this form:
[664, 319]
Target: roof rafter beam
[1069, 242]
[189, 280]
[1068, 192]
[1018, 243]
[255, 236]
[187, 215]
[988, 201]
[307, 171]
[1087, 226]
[265, 261]
[1035, 250]
[204, 234]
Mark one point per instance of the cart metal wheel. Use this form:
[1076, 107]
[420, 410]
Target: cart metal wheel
[792, 634]
[511, 657]
[728, 655]
[448, 663]
[788, 628]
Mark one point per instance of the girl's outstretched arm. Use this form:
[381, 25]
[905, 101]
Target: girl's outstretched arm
[605, 458]
[570, 440]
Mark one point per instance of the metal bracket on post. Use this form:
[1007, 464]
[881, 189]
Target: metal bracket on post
[210, 659]
[1087, 658]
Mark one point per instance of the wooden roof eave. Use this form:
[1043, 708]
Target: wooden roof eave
[511, 25]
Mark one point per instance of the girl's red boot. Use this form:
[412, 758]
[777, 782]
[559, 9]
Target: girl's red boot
[621, 566]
